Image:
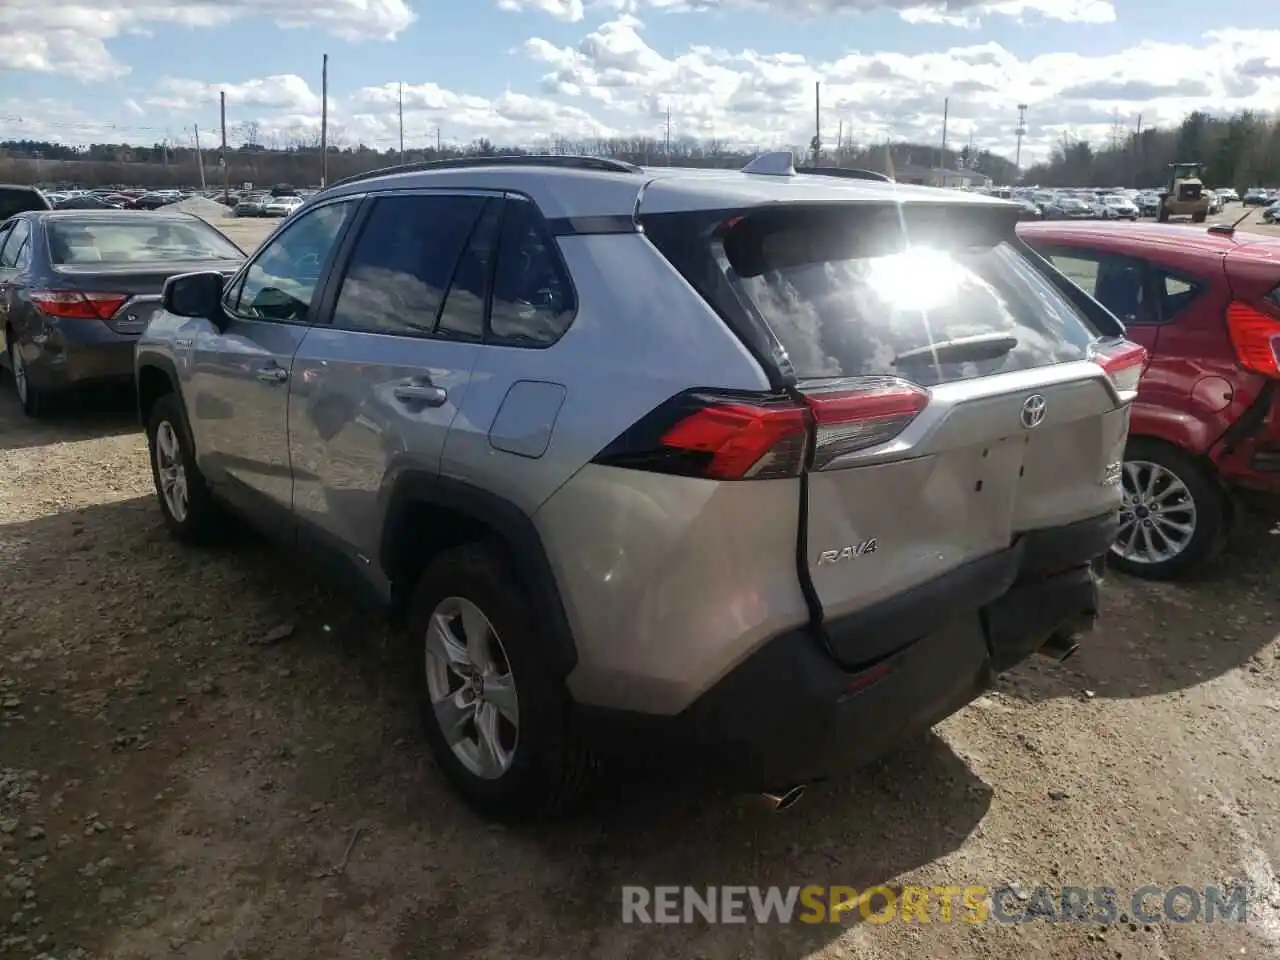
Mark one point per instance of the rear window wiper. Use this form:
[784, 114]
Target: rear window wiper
[985, 346]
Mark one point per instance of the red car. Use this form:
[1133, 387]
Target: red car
[1205, 431]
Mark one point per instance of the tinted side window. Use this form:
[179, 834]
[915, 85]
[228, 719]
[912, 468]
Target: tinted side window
[533, 300]
[1176, 293]
[5, 230]
[281, 282]
[463, 313]
[14, 244]
[402, 264]
[1116, 282]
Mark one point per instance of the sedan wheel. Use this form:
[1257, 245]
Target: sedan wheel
[1158, 518]
[1173, 515]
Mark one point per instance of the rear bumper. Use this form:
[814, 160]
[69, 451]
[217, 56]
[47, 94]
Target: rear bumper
[1248, 456]
[791, 713]
[71, 353]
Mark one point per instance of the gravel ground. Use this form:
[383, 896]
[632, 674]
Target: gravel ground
[203, 754]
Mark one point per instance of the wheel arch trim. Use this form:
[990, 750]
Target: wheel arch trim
[509, 522]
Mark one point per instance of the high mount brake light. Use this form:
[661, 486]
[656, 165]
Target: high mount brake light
[1123, 360]
[760, 437]
[74, 305]
[1256, 338]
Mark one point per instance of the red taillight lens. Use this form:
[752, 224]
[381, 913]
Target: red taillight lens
[1123, 360]
[741, 441]
[860, 414]
[762, 437]
[1256, 337]
[74, 305]
[717, 436]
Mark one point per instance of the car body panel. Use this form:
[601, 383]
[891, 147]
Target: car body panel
[1193, 389]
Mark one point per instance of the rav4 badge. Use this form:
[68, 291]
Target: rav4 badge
[847, 553]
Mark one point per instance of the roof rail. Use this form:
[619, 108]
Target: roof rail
[599, 164]
[848, 173]
[779, 163]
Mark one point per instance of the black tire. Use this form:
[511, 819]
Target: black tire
[550, 767]
[35, 401]
[202, 523]
[1211, 508]
[1198, 217]
[1163, 215]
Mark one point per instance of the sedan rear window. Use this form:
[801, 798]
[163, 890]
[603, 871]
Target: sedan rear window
[930, 312]
[144, 240]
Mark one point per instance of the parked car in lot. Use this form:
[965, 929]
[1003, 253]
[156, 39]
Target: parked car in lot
[1272, 213]
[15, 199]
[78, 286]
[251, 205]
[1068, 208]
[574, 436]
[1114, 206]
[281, 206]
[1257, 197]
[1205, 432]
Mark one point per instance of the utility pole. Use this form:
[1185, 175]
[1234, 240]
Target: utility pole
[839, 139]
[226, 162]
[668, 143]
[1020, 132]
[439, 146]
[402, 123]
[324, 122]
[942, 157]
[200, 157]
[817, 122]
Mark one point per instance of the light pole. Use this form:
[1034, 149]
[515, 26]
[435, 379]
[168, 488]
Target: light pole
[1021, 132]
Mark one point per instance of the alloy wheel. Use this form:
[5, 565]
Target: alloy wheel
[471, 687]
[171, 471]
[1158, 514]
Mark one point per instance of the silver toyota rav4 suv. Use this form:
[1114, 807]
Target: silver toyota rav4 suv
[752, 472]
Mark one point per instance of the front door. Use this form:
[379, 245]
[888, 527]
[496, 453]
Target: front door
[239, 381]
[376, 385]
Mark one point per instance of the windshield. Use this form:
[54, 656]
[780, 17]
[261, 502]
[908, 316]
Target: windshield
[145, 240]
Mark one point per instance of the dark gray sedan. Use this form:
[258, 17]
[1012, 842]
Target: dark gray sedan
[78, 286]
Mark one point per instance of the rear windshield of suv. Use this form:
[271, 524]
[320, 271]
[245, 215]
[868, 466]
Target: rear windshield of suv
[842, 308]
[144, 240]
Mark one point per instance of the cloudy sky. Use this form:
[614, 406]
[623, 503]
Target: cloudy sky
[518, 71]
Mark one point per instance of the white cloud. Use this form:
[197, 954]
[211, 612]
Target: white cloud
[955, 12]
[71, 35]
[614, 82]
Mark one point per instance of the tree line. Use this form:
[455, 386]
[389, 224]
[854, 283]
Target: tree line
[299, 163]
[1241, 150]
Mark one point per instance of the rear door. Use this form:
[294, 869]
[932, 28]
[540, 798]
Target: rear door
[377, 385]
[957, 403]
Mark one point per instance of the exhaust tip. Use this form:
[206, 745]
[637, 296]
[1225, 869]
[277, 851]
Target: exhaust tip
[783, 799]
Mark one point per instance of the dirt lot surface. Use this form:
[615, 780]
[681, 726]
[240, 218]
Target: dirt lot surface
[204, 755]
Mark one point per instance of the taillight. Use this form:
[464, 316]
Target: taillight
[1256, 338]
[1123, 360]
[717, 436]
[860, 414]
[74, 305]
[723, 436]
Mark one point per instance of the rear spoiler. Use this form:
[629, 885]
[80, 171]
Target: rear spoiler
[1106, 323]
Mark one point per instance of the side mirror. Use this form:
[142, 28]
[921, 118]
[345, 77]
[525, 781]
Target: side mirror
[194, 295]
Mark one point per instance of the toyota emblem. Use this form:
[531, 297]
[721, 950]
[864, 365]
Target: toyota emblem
[1033, 411]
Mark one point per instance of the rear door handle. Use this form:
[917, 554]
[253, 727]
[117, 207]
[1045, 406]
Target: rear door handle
[273, 374]
[427, 394]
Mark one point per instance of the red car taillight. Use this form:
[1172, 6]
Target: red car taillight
[723, 436]
[1123, 360]
[74, 305]
[1256, 338]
